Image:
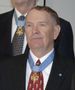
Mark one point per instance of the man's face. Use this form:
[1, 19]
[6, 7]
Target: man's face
[40, 30]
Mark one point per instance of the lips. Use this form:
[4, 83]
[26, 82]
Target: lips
[36, 37]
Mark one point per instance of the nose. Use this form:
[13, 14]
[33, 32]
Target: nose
[35, 29]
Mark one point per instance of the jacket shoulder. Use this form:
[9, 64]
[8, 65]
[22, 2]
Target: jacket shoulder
[4, 16]
[6, 13]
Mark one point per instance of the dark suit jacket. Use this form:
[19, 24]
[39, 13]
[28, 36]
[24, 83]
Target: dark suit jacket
[73, 82]
[64, 42]
[5, 33]
[73, 79]
[13, 71]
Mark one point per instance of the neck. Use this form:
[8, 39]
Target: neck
[40, 53]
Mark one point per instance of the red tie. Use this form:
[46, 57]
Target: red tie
[36, 80]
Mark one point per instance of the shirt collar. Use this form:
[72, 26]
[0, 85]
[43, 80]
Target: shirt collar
[42, 58]
[18, 13]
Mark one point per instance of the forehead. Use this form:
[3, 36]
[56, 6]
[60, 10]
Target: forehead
[38, 14]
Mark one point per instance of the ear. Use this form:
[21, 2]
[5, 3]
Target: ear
[56, 31]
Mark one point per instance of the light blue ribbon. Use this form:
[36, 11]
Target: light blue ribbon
[42, 65]
[19, 22]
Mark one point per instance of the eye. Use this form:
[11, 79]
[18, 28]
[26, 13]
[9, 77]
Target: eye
[42, 24]
[28, 25]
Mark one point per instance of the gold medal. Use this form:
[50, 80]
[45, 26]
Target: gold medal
[19, 31]
[35, 77]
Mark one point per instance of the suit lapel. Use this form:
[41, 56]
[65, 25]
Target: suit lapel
[7, 33]
[56, 75]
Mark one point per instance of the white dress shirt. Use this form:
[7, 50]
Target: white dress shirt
[46, 71]
[14, 27]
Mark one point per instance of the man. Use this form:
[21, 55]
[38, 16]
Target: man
[8, 28]
[41, 67]
[8, 25]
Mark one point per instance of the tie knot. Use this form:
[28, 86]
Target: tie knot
[21, 21]
[38, 63]
[21, 18]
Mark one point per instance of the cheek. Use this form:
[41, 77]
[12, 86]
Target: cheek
[28, 34]
[48, 37]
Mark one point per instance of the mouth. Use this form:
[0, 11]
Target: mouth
[36, 37]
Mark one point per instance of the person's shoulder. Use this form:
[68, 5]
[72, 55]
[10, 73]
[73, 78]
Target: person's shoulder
[6, 13]
[64, 21]
[5, 16]
[64, 60]
[7, 59]
[65, 26]
[7, 63]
